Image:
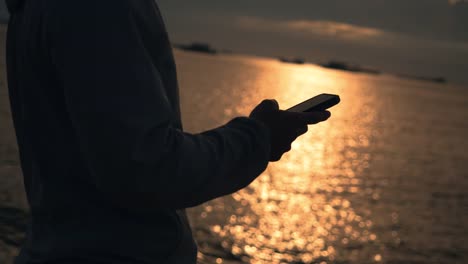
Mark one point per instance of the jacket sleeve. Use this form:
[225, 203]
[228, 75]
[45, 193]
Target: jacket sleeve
[122, 118]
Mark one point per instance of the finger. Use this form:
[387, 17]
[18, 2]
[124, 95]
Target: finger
[314, 117]
[305, 118]
[301, 130]
[283, 151]
[295, 133]
[270, 104]
[275, 158]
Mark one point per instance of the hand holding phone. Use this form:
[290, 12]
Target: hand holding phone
[284, 126]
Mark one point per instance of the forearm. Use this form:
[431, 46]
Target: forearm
[190, 169]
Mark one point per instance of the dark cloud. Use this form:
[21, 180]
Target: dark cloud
[426, 37]
[436, 19]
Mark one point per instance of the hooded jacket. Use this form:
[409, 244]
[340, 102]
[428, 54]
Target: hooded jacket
[108, 169]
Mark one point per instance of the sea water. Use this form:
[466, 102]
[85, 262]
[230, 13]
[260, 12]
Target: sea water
[384, 180]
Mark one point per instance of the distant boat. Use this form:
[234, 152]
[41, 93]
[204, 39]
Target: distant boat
[292, 60]
[197, 47]
[338, 65]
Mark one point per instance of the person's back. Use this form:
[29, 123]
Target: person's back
[107, 168]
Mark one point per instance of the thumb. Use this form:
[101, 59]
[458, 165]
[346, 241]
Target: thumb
[269, 104]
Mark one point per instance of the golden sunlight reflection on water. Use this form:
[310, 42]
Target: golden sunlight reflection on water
[291, 217]
[302, 209]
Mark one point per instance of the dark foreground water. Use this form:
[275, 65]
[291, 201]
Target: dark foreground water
[383, 181]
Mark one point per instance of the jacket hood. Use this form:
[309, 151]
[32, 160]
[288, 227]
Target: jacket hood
[13, 5]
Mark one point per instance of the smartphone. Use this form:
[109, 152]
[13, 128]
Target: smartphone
[320, 102]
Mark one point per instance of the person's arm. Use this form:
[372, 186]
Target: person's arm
[118, 107]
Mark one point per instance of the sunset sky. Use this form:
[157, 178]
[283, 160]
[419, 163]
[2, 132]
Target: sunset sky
[421, 37]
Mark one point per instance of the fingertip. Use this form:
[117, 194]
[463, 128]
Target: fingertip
[271, 103]
[275, 103]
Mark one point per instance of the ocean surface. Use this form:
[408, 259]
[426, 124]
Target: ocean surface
[385, 180]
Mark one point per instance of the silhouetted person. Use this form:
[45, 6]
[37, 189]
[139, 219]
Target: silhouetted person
[107, 167]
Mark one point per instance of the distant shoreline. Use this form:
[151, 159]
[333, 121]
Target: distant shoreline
[338, 65]
[197, 47]
[202, 47]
